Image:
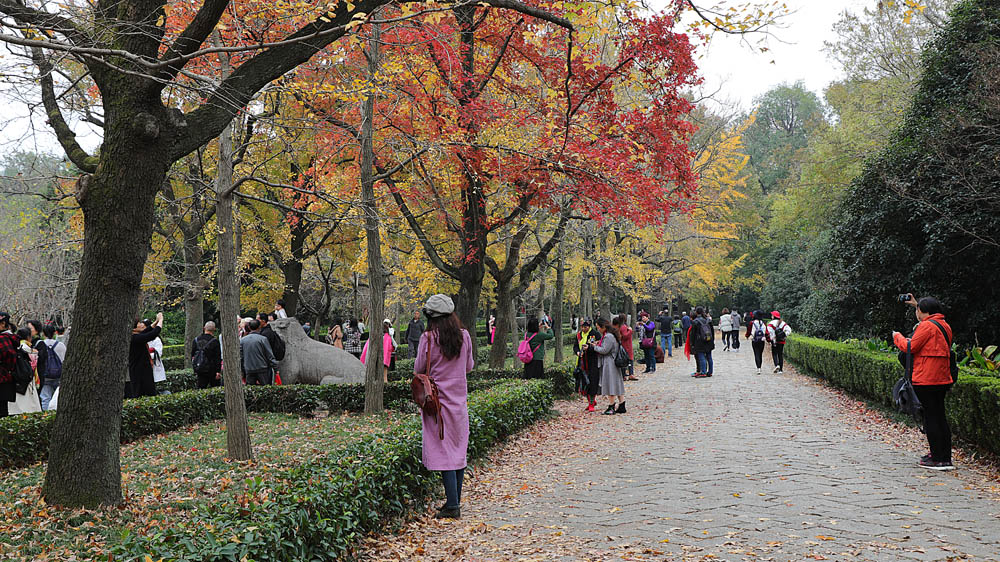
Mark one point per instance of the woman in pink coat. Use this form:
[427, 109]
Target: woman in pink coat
[388, 346]
[447, 348]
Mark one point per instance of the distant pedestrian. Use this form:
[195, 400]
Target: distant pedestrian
[140, 366]
[678, 331]
[726, 327]
[388, 346]
[336, 333]
[258, 362]
[685, 325]
[734, 339]
[590, 383]
[621, 323]
[25, 393]
[611, 376]
[666, 332]
[757, 334]
[352, 338]
[50, 365]
[206, 357]
[491, 327]
[156, 357]
[445, 355]
[930, 346]
[277, 344]
[647, 341]
[8, 358]
[777, 331]
[414, 330]
[536, 334]
[279, 310]
[575, 322]
[701, 342]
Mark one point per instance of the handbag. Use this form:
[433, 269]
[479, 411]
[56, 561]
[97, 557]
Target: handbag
[903, 394]
[425, 393]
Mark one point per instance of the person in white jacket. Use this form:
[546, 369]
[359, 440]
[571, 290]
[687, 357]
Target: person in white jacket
[726, 327]
[777, 331]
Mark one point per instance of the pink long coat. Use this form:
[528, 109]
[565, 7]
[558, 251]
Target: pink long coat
[450, 375]
[386, 351]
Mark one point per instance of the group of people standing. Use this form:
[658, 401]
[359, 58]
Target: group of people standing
[42, 350]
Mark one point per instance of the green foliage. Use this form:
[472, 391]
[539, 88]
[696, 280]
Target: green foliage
[973, 404]
[325, 506]
[923, 216]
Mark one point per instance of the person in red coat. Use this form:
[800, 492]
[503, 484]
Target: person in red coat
[930, 345]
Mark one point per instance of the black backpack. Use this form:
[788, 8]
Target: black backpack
[23, 373]
[621, 357]
[706, 331]
[53, 364]
[952, 358]
[779, 333]
[759, 335]
[199, 362]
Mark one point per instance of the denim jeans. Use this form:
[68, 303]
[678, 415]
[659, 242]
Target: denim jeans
[704, 361]
[650, 359]
[453, 486]
[667, 341]
[48, 389]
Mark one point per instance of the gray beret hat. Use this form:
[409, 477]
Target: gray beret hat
[439, 305]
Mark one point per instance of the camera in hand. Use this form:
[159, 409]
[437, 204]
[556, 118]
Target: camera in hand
[905, 297]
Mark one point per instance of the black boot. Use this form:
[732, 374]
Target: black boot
[621, 408]
[610, 411]
[449, 513]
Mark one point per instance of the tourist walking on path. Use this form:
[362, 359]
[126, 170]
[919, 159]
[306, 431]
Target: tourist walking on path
[777, 331]
[140, 368]
[612, 384]
[590, 381]
[352, 338]
[726, 327]
[621, 323]
[25, 394]
[678, 330]
[50, 365]
[445, 354]
[701, 342]
[685, 325]
[258, 362]
[414, 330]
[734, 336]
[536, 334]
[757, 334]
[647, 341]
[666, 332]
[8, 357]
[930, 346]
[206, 357]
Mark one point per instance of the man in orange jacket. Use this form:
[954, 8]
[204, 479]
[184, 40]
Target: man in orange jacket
[930, 346]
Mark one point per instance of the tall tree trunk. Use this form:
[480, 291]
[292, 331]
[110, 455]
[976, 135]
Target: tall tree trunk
[374, 385]
[586, 296]
[557, 304]
[292, 269]
[84, 467]
[238, 446]
[194, 294]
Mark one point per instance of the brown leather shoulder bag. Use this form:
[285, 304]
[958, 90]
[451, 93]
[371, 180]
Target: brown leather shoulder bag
[425, 393]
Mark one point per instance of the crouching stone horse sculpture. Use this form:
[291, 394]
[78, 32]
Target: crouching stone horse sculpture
[308, 361]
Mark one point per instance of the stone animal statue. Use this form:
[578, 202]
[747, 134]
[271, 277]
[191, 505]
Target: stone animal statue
[308, 361]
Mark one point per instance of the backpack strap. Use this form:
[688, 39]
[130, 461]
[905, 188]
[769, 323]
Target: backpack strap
[947, 340]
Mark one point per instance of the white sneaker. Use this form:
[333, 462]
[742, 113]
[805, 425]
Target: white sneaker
[780, 372]
[758, 371]
[775, 370]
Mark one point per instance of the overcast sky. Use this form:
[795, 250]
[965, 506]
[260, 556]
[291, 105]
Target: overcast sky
[743, 72]
[738, 70]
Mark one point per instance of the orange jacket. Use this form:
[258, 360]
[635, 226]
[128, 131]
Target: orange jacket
[931, 354]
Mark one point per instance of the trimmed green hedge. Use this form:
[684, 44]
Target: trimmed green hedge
[322, 508]
[973, 404]
[24, 439]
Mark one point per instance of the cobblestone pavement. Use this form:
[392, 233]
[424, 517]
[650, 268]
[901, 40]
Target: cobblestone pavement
[734, 467]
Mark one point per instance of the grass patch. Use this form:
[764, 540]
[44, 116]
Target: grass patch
[167, 477]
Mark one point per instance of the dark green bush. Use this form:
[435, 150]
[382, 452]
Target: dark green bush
[323, 507]
[973, 404]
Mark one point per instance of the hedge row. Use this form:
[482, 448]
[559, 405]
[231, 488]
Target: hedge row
[25, 439]
[323, 507]
[973, 404]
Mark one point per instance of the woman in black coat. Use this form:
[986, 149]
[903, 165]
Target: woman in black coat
[586, 339]
[140, 367]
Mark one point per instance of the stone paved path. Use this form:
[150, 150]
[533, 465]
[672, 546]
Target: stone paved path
[735, 467]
